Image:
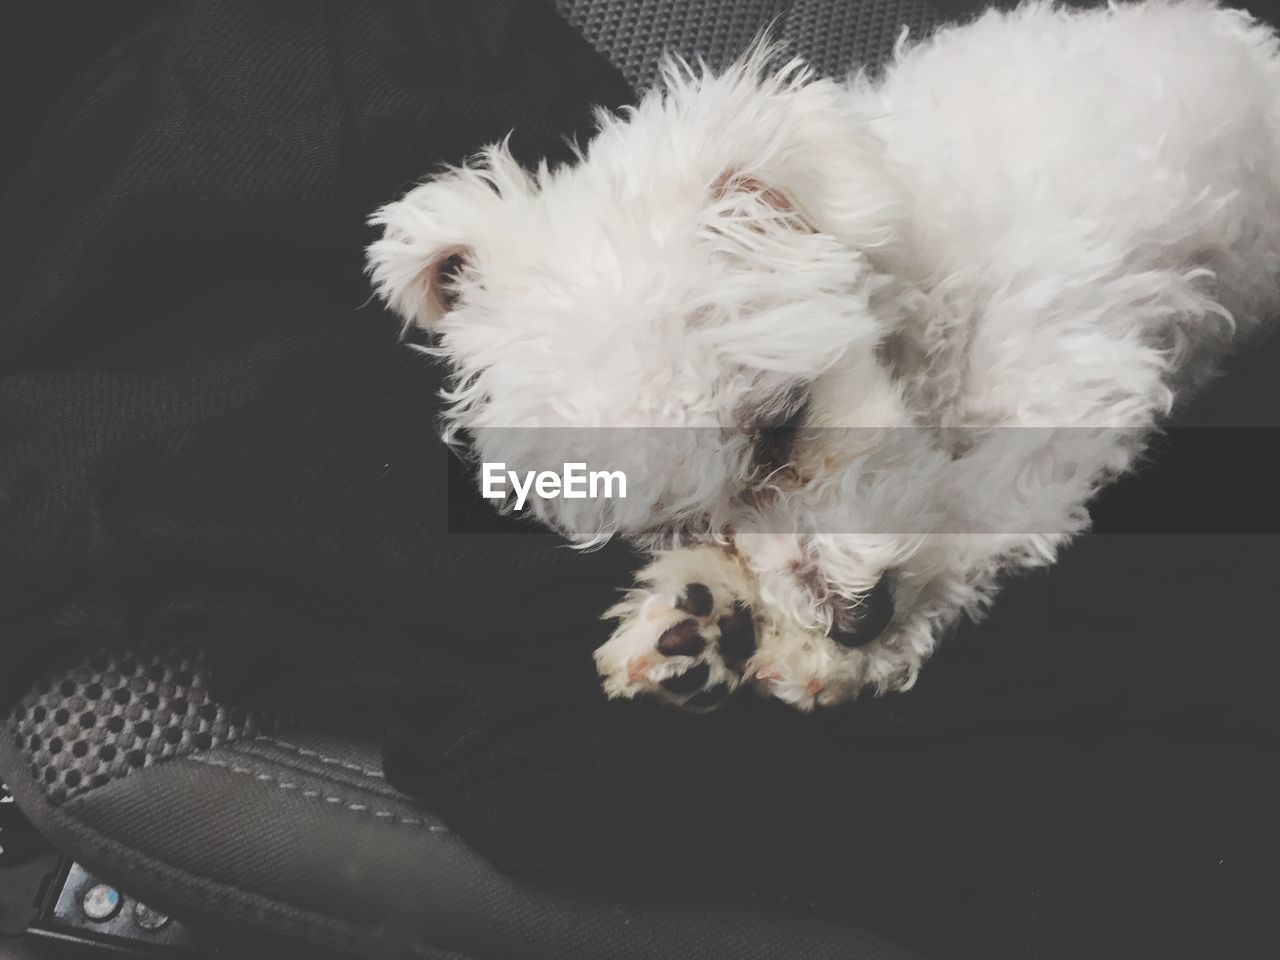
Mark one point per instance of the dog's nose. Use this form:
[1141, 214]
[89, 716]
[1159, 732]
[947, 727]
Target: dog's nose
[860, 624]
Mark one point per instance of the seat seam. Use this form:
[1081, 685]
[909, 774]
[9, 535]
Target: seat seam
[313, 755]
[310, 793]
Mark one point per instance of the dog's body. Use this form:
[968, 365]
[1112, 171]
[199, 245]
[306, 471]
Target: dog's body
[973, 287]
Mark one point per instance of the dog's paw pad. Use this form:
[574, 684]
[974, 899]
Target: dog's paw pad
[690, 681]
[684, 639]
[697, 600]
[737, 637]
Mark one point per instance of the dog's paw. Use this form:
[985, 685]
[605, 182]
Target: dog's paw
[807, 669]
[687, 635]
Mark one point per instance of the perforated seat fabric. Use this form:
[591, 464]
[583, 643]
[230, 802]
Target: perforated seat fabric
[288, 831]
[834, 36]
[120, 711]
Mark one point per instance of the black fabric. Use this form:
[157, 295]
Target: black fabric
[43, 48]
[207, 434]
[1090, 774]
[207, 430]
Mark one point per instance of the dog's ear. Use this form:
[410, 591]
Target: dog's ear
[778, 138]
[424, 261]
[418, 261]
[433, 291]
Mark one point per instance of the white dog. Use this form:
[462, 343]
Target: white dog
[868, 345]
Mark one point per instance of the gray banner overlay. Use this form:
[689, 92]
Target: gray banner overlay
[896, 481]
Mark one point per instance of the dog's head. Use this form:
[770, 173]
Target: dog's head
[678, 290]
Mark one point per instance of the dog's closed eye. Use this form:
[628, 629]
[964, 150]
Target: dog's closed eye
[775, 431]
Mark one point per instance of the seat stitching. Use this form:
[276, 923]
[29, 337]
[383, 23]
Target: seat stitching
[332, 761]
[313, 794]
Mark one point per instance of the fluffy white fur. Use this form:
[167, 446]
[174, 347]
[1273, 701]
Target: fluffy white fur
[1044, 219]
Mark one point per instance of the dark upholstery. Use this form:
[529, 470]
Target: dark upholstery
[288, 831]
